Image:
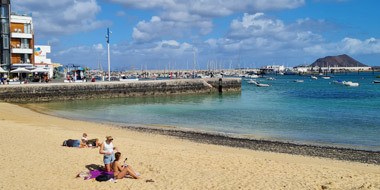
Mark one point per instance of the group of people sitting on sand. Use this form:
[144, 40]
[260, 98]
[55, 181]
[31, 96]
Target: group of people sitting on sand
[110, 158]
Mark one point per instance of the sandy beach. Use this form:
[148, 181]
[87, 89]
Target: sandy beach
[32, 158]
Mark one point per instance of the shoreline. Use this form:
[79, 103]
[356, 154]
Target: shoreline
[221, 139]
[33, 141]
[239, 141]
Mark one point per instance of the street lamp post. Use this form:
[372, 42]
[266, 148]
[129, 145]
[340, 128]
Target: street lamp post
[109, 59]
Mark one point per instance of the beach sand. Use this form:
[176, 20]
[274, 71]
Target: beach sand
[32, 158]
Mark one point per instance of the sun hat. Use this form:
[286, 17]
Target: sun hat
[109, 138]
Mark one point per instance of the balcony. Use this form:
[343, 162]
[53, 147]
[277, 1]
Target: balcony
[21, 35]
[22, 51]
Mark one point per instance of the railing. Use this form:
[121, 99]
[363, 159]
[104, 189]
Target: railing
[21, 31]
[22, 14]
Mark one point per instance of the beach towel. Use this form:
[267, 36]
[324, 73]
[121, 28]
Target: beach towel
[96, 173]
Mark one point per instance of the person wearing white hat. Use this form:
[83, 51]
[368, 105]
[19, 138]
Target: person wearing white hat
[107, 149]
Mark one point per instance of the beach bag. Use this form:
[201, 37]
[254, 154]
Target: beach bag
[105, 177]
[71, 143]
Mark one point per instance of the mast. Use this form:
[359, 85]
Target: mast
[100, 68]
[194, 64]
[239, 65]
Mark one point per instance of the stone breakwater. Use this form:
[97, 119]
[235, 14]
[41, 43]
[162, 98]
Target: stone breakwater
[76, 91]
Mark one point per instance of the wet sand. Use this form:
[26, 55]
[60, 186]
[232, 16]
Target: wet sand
[32, 158]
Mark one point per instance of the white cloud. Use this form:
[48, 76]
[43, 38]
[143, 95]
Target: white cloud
[53, 18]
[263, 32]
[356, 46]
[211, 8]
[157, 29]
[255, 25]
[98, 47]
[349, 46]
[170, 43]
[184, 18]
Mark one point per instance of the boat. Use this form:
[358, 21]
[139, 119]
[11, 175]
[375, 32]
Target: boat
[326, 77]
[349, 83]
[252, 81]
[262, 85]
[376, 81]
[125, 78]
[271, 78]
[314, 77]
[298, 80]
[338, 82]
[253, 76]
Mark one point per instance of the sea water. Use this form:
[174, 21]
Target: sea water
[312, 112]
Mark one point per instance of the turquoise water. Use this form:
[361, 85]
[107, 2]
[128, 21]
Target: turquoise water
[315, 111]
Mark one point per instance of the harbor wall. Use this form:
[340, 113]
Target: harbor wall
[76, 91]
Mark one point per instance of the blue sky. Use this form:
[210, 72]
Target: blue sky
[163, 34]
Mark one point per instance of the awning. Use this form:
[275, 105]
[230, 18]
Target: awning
[20, 70]
[2, 70]
[15, 66]
[39, 70]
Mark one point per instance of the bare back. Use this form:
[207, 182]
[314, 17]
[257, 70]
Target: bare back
[117, 168]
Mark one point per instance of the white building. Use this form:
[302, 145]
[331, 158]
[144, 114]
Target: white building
[301, 69]
[275, 68]
[41, 60]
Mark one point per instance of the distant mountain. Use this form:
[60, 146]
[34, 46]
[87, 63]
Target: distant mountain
[337, 61]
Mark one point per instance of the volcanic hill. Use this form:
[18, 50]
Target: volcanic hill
[337, 61]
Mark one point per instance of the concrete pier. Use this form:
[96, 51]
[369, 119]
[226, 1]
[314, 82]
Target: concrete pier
[76, 91]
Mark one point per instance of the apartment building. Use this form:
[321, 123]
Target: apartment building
[22, 40]
[16, 37]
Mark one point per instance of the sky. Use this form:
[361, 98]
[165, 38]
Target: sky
[165, 34]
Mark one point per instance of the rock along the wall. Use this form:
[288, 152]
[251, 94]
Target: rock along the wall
[71, 91]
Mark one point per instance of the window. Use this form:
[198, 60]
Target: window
[4, 11]
[6, 57]
[5, 41]
[4, 26]
[27, 29]
[24, 43]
